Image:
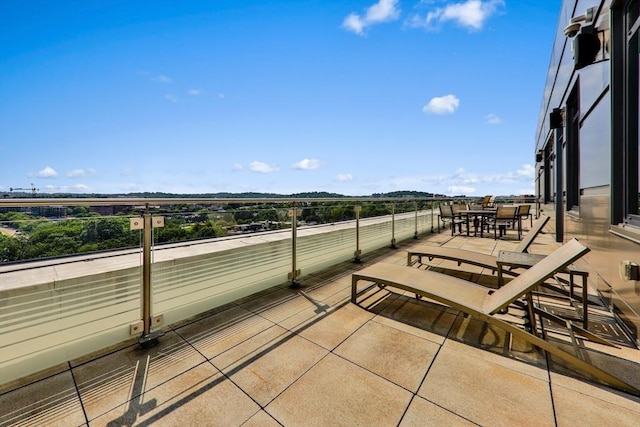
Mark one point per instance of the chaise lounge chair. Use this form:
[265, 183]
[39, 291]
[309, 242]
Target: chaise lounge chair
[483, 303]
[463, 256]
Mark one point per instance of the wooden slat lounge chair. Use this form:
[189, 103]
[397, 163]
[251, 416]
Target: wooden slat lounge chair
[463, 256]
[483, 303]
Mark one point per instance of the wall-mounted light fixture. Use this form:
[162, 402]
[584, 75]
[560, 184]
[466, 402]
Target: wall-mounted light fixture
[587, 43]
[555, 119]
[586, 46]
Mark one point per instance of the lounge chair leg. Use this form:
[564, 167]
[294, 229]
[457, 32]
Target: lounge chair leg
[531, 314]
[561, 354]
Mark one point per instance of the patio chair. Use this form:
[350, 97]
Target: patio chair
[484, 303]
[459, 217]
[445, 215]
[491, 203]
[506, 216]
[463, 256]
[485, 201]
[525, 213]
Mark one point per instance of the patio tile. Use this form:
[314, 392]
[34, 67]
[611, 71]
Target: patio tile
[237, 356]
[278, 305]
[265, 372]
[486, 393]
[576, 399]
[329, 288]
[336, 392]
[622, 363]
[261, 419]
[334, 328]
[425, 319]
[398, 356]
[421, 410]
[603, 393]
[538, 370]
[51, 401]
[308, 316]
[491, 338]
[216, 334]
[112, 380]
[200, 396]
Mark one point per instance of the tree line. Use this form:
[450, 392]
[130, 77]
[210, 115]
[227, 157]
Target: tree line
[82, 231]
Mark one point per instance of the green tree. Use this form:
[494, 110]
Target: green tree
[12, 248]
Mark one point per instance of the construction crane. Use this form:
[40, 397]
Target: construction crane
[33, 189]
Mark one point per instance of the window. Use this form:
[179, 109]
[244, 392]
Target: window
[573, 149]
[625, 58]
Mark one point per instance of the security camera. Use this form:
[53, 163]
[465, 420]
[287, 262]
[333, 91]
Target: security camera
[572, 29]
[574, 24]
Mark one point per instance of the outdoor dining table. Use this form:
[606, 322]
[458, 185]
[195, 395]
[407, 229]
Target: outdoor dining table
[482, 214]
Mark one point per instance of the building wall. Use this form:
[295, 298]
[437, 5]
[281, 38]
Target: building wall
[591, 220]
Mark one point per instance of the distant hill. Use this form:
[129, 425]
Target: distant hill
[407, 193]
[223, 195]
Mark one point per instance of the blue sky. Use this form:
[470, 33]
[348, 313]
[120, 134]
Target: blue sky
[352, 97]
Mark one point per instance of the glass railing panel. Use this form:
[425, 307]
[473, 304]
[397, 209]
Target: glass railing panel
[184, 287]
[58, 320]
[330, 247]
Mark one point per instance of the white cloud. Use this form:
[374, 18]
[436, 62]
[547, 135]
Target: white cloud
[464, 182]
[77, 173]
[492, 119]
[382, 11]
[194, 92]
[67, 188]
[455, 190]
[47, 172]
[344, 177]
[307, 164]
[470, 14]
[171, 98]
[442, 105]
[262, 167]
[527, 171]
[162, 79]
[237, 167]
[221, 95]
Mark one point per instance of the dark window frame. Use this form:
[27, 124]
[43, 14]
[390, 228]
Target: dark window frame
[625, 58]
[573, 148]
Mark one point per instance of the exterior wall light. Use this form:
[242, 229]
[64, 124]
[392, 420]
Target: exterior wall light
[587, 43]
[586, 46]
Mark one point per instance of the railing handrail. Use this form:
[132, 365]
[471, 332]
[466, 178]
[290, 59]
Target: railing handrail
[134, 201]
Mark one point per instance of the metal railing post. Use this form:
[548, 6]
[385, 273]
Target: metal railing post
[432, 229]
[295, 273]
[415, 233]
[147, 339]
[146, 273]
[358, 251]
[393, 225]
